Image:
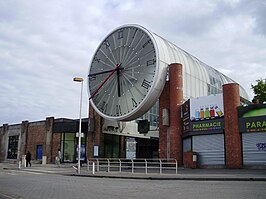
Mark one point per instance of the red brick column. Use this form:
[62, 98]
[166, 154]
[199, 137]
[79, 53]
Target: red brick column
[49, 136]
[233, 152]
[164, 103]
[96, 137]
[176, 99]
[122, 151]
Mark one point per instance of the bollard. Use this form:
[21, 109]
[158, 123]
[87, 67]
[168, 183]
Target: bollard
[23, 163]
[146, 167]
[93, 168]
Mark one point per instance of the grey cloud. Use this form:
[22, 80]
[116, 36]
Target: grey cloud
[43, 45]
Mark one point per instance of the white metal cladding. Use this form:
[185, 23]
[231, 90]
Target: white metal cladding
[254, 148]
[210, 149]
[187, 144]
[199, 79]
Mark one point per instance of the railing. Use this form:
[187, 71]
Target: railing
[169, 166]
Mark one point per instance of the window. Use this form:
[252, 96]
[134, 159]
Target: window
[69, 144]
[12, 152]
[153, 116]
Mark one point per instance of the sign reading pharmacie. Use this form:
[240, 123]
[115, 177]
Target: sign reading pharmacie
[210, 125]
[203, 114]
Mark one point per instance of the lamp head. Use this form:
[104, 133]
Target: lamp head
[78, 79]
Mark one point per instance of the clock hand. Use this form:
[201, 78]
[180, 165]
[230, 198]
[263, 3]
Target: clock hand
[99, 87]
[103, 72]
[118, 83]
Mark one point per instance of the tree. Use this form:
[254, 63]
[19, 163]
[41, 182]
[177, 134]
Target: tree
[260, 90]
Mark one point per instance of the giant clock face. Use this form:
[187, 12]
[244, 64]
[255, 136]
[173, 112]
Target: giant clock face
[122, 74]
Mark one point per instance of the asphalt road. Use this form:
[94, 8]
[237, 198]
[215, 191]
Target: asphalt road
[30, 185]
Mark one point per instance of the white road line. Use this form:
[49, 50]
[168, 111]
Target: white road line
[6, 196]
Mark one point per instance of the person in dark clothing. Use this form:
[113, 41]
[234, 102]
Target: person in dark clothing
[28, 158]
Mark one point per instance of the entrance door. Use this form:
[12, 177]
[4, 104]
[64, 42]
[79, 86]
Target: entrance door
[39, 152]
[111, 146]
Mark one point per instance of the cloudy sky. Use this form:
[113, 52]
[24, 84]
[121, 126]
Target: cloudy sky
[44, 44]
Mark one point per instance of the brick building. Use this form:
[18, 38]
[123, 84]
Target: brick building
[41, 138]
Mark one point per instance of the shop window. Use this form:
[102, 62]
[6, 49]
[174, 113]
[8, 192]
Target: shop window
[69, 143]
[153, 116]
[12, 152]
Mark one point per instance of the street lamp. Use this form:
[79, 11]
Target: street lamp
[79, 79]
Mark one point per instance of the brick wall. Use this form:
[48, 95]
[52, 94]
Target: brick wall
[36, 136]
[2, 143]
[56, 144]
[188, 160]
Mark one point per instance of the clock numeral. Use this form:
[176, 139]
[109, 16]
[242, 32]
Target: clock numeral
[134, 102]
[92, 78]
[104, 106]
[118, 110]
[106, 43]
[120, 34]
[134, 33]
[146, 84]
[151, 62]
[96, 59]
[147, 42]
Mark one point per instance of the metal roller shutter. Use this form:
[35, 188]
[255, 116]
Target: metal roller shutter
[210, 149]
[254, 148]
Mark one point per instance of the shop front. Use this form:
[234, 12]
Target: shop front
[203, 130]
[69, 140]
[252, 125]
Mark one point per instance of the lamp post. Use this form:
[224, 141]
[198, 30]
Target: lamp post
[79, 79]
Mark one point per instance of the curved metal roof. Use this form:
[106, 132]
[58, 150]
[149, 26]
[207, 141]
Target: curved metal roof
[199, 79]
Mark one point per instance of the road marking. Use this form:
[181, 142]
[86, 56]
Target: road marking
[6, 196]
[31, 172]
[42, 171]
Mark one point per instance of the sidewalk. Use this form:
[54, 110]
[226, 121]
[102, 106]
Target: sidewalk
[183, 173]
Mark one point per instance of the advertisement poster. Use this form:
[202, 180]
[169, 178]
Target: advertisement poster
[96, 151]
[82, 152]
[131, 148]
[205, 108]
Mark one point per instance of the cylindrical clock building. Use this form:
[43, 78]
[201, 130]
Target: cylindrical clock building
[128, 72]
[126, 77]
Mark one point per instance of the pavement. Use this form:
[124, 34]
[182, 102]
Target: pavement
[218, 174]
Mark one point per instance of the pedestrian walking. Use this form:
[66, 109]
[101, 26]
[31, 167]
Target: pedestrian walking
[58, 158]
[28, 158]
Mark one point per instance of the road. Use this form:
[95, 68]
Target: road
[30, 185]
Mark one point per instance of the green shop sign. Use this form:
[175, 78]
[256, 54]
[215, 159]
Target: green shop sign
[252, 124]
[211, 125]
